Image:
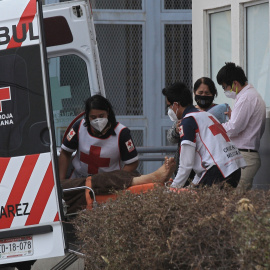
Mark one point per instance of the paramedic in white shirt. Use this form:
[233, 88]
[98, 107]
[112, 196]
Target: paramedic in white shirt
[247, 119]
[205, 146]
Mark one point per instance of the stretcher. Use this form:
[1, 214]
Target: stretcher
[101, 199]
[133, 189]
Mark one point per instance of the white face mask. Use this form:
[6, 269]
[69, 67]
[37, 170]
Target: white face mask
[172, 115]
[230, 94]
[99, 123]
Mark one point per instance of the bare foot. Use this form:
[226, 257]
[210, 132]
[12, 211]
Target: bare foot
[161, 175]
[164, 173]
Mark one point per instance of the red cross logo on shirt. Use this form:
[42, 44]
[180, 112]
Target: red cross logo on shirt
[93, 160]
[217, 128]
[4, 95]
[130, 146]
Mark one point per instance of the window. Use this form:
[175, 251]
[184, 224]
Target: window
[220, 46]
[257, 48]
[69, 89]
[57, 31]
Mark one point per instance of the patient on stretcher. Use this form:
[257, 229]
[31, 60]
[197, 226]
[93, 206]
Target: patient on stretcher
[104, 183]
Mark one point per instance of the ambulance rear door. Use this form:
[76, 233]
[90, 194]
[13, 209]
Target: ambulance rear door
[30, 201]
[73, 57]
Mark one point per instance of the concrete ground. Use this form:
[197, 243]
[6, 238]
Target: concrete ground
[46, 264]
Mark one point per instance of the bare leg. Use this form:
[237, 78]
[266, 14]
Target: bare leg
[161, 175]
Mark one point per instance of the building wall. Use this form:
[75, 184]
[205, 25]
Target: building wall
[200, 31]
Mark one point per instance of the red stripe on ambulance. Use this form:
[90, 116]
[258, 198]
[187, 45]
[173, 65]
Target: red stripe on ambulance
[41, 198]
[56, 217]
[18, 188]
[4, 163]
[26, 18]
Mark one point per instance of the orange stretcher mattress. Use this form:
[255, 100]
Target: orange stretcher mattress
[133, 189]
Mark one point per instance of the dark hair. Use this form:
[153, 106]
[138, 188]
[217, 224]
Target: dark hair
[207, 81]
[99, 102]
[229, 73]
[178, 92]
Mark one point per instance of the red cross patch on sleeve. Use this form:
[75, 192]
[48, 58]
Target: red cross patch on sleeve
[71, 134]
[181, 131]
[130, 145]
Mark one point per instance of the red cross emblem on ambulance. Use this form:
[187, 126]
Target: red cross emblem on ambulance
[4, 95]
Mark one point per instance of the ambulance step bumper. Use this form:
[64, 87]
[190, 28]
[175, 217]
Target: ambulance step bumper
[26, 231]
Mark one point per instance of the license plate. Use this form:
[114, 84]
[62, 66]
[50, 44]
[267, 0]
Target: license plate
[16, 247]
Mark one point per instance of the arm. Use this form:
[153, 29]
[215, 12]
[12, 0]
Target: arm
[240, 117]
[229, 112]
[173, 134]
[64, 160]
[131, 167]
[128, 151]
[187, 157]
[187, 133]
[69, 145]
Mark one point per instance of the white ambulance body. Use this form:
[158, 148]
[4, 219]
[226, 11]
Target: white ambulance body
[31, 211]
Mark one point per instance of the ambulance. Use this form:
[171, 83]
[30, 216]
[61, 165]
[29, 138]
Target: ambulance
[31, 211]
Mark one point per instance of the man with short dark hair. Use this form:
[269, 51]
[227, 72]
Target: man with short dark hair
[247, 119]
[205, 146]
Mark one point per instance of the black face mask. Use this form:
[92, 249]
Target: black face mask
[204, 101]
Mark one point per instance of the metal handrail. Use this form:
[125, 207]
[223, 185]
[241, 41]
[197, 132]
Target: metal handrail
[152, 149]
[161, 149]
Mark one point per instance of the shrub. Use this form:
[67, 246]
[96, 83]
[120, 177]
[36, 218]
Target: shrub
[206, 229]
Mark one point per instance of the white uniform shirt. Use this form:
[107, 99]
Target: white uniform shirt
[247, 123]
[96, 155]
[211, 146]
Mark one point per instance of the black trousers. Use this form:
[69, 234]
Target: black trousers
[214, 176]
